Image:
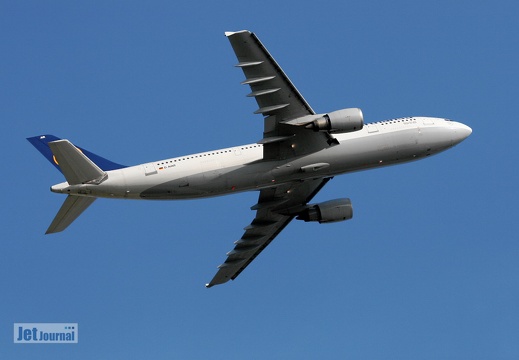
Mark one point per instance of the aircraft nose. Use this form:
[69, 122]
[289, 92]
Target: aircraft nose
[462, 132]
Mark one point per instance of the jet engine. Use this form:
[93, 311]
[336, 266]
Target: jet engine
[340, 121]
[328, 211]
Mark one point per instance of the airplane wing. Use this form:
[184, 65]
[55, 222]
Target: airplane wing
[278, 99]
[272, 89]
[275, 209]
[279, 102]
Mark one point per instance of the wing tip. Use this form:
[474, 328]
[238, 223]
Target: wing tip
[230, 33]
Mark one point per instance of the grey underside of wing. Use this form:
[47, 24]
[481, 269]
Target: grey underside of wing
[275, 209]
[272, 89]
[278, 99]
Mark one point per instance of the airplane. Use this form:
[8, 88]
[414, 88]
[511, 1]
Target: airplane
[300, 151]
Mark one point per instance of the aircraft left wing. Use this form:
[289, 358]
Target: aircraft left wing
[278, 99]
[275, 209]
[271, 87]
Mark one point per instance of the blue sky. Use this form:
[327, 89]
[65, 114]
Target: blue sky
[427, 268]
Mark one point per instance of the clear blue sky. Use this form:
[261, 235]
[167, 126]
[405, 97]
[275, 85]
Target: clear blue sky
[428, 268]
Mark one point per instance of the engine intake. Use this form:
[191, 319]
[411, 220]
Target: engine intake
[340, 121]
[328, 211]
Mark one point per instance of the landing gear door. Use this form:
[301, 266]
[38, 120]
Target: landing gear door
[149, 169]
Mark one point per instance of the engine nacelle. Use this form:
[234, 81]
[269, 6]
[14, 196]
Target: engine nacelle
[340, 121]
[328, 211]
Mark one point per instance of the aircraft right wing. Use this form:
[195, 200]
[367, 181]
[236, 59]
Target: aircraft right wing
[275, 209]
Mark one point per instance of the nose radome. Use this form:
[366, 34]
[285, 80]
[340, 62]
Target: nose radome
[462, 132]
[465, 131]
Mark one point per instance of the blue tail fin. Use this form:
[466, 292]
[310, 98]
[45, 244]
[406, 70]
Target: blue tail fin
[41, 143]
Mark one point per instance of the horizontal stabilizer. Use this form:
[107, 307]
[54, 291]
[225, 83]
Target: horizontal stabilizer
[69, 211]
[76, 167]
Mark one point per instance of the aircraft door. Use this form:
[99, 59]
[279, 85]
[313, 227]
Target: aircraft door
[372, 128]
[149, 169]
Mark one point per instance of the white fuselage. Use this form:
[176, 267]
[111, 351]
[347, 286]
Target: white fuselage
[242, 168]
